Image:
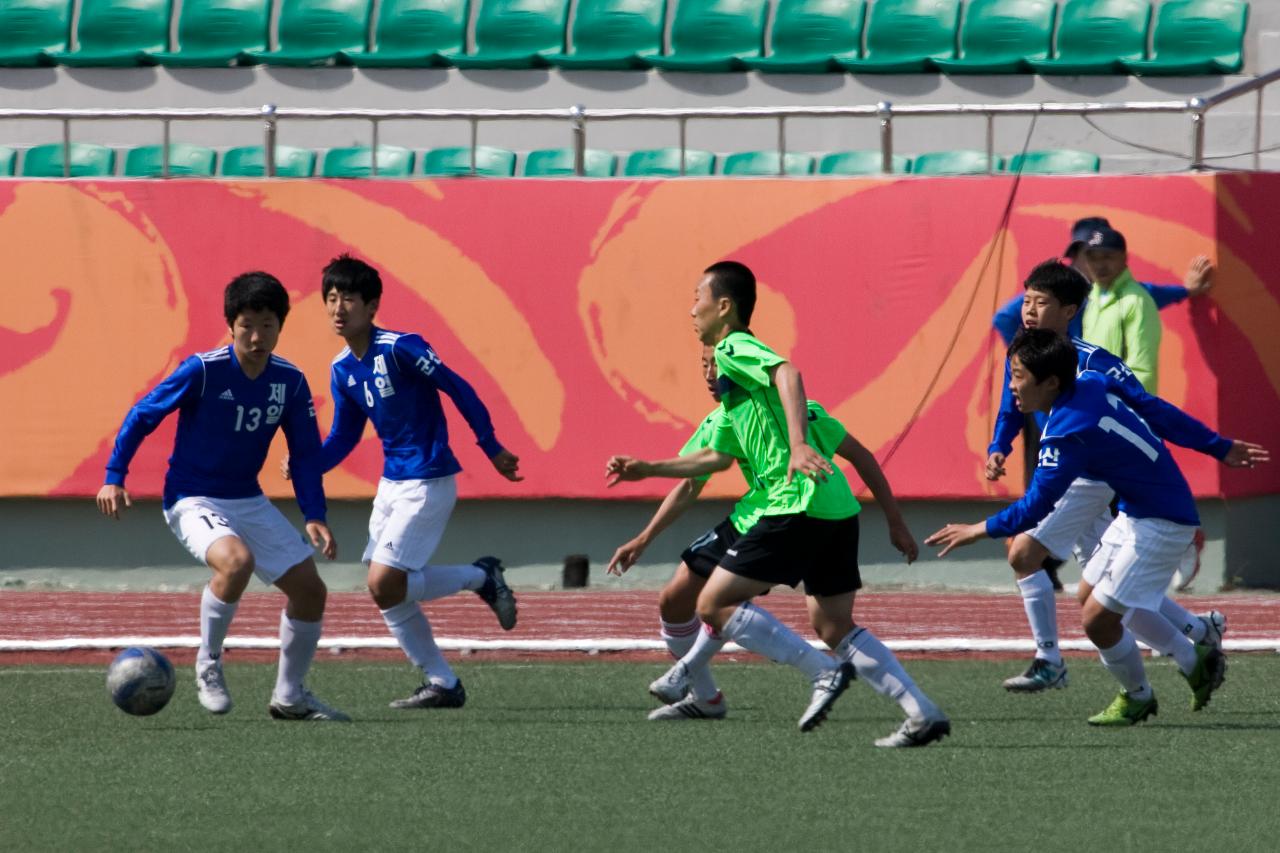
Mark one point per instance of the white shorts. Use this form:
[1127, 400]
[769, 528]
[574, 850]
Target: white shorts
[408, 521]
[1076, 523]
[275, 543]
[1137, 560]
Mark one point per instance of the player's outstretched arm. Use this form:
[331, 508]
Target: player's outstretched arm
[804, 459]
[1199, 279]
[674, 505]
[955, 536]
[873, 475]
[1244, 454]
[322, 538]
[113, 500]
[628, 468]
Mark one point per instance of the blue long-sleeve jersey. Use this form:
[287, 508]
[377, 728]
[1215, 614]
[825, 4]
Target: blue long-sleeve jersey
[1092, 432]
[397, 385]
[1008, 320]
[225, 425]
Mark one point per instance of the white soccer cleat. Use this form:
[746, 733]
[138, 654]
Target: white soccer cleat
[308, 708]
[1040, 676]
[672, 685]
[826, 690]
[690, 708]
[1215, 625]
[211, 688]
[916, 733]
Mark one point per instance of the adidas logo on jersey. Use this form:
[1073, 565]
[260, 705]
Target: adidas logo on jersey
[226, 395]
[351, 381]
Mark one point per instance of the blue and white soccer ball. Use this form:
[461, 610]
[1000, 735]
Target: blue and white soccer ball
[140, 681]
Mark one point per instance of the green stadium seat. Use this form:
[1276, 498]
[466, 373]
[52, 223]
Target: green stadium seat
[1196, 37]
[413, 34]
[449, 162]
[809, 36]
[1059, 161]
[7, 158]
[955, 163]
[903, 35]
[765, 163]
[357, 162]
[32, 29]
[665, 163]
[250, 161]
[860, 163]
[318, 32]
[516, 34]
[185, 161]
[558, 163]
[715, 35]
[118, 33]
[1096, 36]
[87, 161]
[614, 34]
[215, 33]
[999, 36]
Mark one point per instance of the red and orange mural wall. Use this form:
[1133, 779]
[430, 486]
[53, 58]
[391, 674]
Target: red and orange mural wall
[566, 304]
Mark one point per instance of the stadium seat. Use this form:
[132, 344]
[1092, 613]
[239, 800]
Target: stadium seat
[413, 34]
[490, 162]
[558, 163]
[903, 35]
[318, 32]
[250, 161]
[715, 35]
[1059, 161]
[665, 163]
[808, 36]
[7, 158]
[614, 34]
[1096, 36]
[185, 161]
[87, 161]
[1196, 37]
[516, 34]
[860, 163]
[357, 162]
[118, 33]
[32, 29]
[955, 163]
[999, 36]
[214, 33]
[765, 163]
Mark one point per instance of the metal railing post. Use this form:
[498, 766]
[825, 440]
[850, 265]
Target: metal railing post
[373, 157]
[885, 110]
[1257, 131]
[164, 149]
[269, 144]
[991, 142]
[683, 137]
[1197, 107]
[578, 123]
[66, 148]
[475, 139]
[782, 145]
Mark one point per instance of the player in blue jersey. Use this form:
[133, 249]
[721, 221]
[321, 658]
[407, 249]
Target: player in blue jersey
[394, 380]
[230, 402]
[1091, 432]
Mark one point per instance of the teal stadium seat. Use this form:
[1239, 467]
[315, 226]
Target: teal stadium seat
[1097, 37]
[516, 34]
[810, 36]
[32, 30]
[453, 162]
[357, 162]
[86, 161]
[413, 34]
[765, 163]
[665, 163]
[558, 163]
[218, 33]
[118, 33]
[185, 161]
[1196, 37]
[614, 34]
[250, 161]
[860, 163]
[1000, 36]
[955, 163]
[7, 158]
[715, 35]
[904, 35]
[318, 32]
[1059, 161]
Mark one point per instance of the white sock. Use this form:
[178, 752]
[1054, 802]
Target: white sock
[698, 659]
[880, 668]
[412, 631]
[680, 639]
[215, 621]
[438, 581]
[1163, 636]
[297, 647]
[1124, 661]
[756, 629]
[1042, 614]
[1183, 619]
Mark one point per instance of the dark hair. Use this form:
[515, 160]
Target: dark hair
[1065, 284]
[1046, 353]
[351, 275]
[255, 291]
[738, 283]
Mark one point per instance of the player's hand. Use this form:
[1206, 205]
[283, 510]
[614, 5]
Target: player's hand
[284, 468]
[322, 538]
[954, 536]
[626, 556]
[900, 537]
[995, 466]
[112, 500]
[1243, 454]
[1199, 280]
[508, 465]
[620, 468]
[809, 462]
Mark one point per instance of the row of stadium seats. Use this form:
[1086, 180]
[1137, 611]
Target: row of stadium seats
[807, 36]
[88, 161]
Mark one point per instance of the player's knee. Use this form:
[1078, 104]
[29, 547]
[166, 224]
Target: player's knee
[1026, 556]
[387, 588]
[676, 604]
[709, 611]
[232, 559]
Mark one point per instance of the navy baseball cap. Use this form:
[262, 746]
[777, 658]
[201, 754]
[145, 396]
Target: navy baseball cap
[1106, 238]
[1083, 230]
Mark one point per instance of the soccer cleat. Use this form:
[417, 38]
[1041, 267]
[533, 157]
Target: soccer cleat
[211, 688]
[1126, 711]
[432, 695]
[1215, 625]
[1190, 567]
[690, 708]
[672, 686]
[308, 708]
[496, 593]
[826, 690]
[912, 733]
[1207, 676]
[1040, 676]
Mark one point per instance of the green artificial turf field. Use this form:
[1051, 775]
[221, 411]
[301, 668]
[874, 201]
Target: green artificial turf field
[556, 756]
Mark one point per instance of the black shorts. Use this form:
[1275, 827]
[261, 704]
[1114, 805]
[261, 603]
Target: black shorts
[706, 552]
[793, 548]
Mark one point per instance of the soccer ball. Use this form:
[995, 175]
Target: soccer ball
[140, 681]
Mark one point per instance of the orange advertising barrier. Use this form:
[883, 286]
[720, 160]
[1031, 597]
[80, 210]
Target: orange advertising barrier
[566, 304]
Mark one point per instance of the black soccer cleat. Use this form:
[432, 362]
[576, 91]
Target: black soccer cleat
[434, 696]
[496, 593]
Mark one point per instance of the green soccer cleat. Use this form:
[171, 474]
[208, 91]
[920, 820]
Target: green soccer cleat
[1126, 711]
[1209, 673]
